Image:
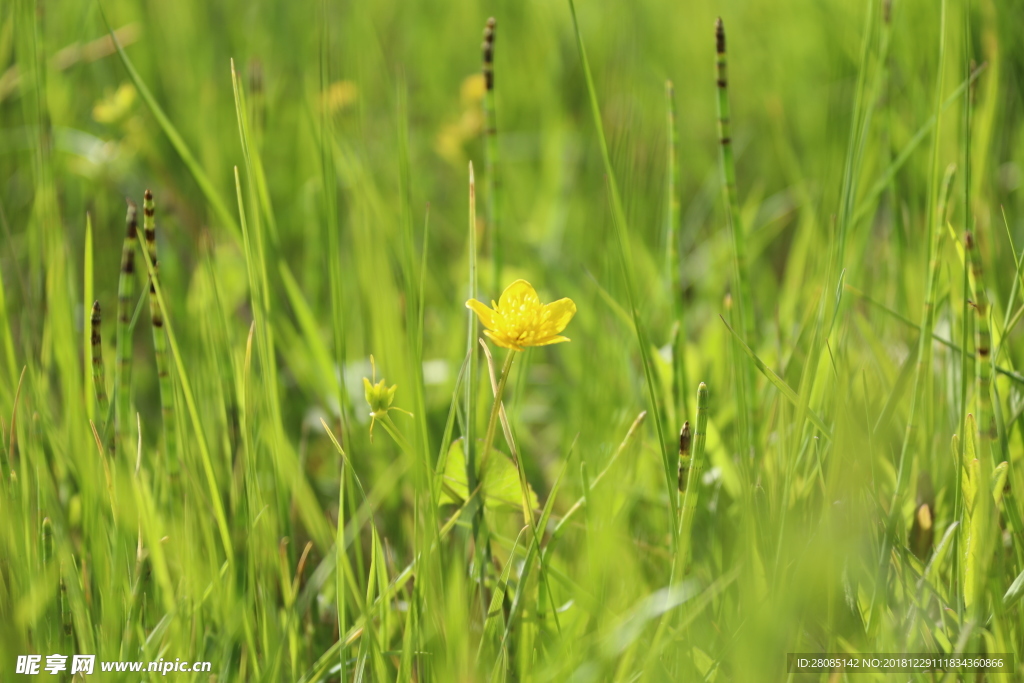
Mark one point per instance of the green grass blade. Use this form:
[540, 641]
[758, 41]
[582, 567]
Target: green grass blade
[198, 174]
[332, 228]
[5, 335]
[87, 331]
[867, 203]
[197, 425]
[626, 260]
[987, 433]
[674, 267]
[780, 384]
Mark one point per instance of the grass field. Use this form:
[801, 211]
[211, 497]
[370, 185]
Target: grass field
[790, 418]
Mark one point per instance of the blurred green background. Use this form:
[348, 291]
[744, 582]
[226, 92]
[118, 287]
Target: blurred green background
[797, 548]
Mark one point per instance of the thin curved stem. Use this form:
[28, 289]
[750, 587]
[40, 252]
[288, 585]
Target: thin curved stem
[492, 421]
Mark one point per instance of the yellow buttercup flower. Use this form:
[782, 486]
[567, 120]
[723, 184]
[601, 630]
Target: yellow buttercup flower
[519, 319]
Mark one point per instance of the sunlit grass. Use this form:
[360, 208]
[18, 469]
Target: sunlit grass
[807, 260]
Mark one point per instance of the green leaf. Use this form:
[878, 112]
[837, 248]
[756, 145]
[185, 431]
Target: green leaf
[1015, 591]
[999, 480]
[500, 481]
[495, 623]
[702, 661]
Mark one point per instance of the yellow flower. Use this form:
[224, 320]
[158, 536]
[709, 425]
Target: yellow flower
[339, 95]
[115, 106]
[519, 319]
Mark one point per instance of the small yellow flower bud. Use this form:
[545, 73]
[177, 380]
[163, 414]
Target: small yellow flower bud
[379, 396]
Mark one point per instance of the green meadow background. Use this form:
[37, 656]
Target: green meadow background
[313, 209]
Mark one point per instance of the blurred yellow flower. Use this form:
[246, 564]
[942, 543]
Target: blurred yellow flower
[453, 136]
[115, 106]
[340, 95]
[519, 319]
[472, 90]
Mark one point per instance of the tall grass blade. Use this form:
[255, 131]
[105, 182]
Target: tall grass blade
[987, 433]
[674, 266]
[87, 298]
[198, 174]
[220, 518]
[332, 226]
[779, 383]
[626, 260]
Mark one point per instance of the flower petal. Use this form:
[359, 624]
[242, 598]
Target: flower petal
[550, 340]
[502, 341]
[558, 314]
[518, 293]
[485, 314]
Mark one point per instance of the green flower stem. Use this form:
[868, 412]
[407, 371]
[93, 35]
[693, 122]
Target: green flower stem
[488, 437]
[524, 487]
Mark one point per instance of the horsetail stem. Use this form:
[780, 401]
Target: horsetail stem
[46, 550]
[46, 541]
[728, 167]
[99, 379]
[684, 463]
[672, 241]
[491, 131]
[982, 348]
[65, 611]
[744, 313]
[684, 455]
[688, 479]
[159, 339]
[125, 295]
